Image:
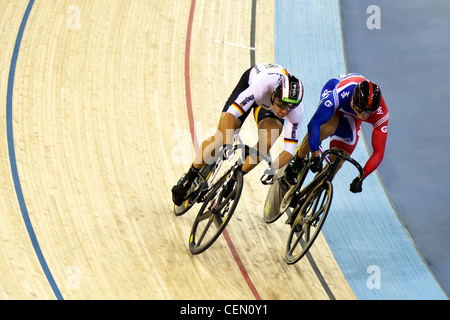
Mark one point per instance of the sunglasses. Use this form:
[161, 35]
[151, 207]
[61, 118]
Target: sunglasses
[283, 105]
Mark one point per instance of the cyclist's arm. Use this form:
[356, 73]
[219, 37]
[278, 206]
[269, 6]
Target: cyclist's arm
[226, 128]
[282, 160]
[323, 113]
[380, 122]
[379, 137]
[291, 136]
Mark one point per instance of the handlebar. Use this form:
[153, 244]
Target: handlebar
[341, 155]
[249, 151]
[267, 177]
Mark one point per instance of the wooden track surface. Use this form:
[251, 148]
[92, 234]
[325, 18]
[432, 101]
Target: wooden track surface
[101, 134]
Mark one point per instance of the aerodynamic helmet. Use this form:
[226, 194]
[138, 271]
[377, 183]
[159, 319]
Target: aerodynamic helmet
[367, 96]
[289, 90]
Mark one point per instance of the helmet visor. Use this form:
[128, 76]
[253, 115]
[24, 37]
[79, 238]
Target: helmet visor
[357, 107]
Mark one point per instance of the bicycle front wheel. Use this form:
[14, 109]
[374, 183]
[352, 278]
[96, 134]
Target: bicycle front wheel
[309, 222]
[215, 212]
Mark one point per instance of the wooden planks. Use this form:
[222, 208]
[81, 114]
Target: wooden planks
[101, 135]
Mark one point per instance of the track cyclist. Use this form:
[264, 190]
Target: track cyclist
[345, 102]
[275, 96]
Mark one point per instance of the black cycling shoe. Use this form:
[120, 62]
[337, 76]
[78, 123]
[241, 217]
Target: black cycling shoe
[292, 170]
[180, 190]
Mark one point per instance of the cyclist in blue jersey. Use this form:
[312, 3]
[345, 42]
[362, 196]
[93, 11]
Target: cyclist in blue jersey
[345, 102]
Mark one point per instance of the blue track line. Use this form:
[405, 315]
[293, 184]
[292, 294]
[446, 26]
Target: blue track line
[12, 155]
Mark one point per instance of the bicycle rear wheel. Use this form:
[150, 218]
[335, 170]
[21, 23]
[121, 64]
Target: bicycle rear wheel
[273, 199]
[309, 222]
[215, 212]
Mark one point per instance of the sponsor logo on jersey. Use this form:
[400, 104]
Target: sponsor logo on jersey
[247, 100]
[345, 94]
[294, 130]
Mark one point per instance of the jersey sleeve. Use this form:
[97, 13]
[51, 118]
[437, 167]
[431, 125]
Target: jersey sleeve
[245, 99]
[292, 129]
[379, 138]
[241, 106]
[323, 113]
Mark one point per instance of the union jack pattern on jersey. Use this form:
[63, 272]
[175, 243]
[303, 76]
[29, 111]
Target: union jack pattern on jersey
[336, 97]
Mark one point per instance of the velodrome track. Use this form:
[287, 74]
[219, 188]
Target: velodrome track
[104, 103]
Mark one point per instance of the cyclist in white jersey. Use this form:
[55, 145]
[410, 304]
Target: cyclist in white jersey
[275, 97]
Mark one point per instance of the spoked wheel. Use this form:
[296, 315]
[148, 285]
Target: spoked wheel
[216, 212]
[309, 222]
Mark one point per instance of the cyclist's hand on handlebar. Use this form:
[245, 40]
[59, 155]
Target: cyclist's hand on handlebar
[228, 151]
[356, 185]
[316, 164]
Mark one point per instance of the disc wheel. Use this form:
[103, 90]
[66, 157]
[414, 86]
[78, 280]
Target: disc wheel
[274, 197]
[290, 197]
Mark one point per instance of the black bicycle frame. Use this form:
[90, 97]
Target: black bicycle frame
[327, 173]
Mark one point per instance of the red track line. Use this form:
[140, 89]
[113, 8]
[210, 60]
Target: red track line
[187, 77]
[241, 266]
[196, 147]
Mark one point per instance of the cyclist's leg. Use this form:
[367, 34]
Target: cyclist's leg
[346, 136]
[269, 129]
[210, 146]
[226, 122]
[205, 154]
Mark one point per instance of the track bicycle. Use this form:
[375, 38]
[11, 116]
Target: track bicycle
[223, 198]
[311, 205]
